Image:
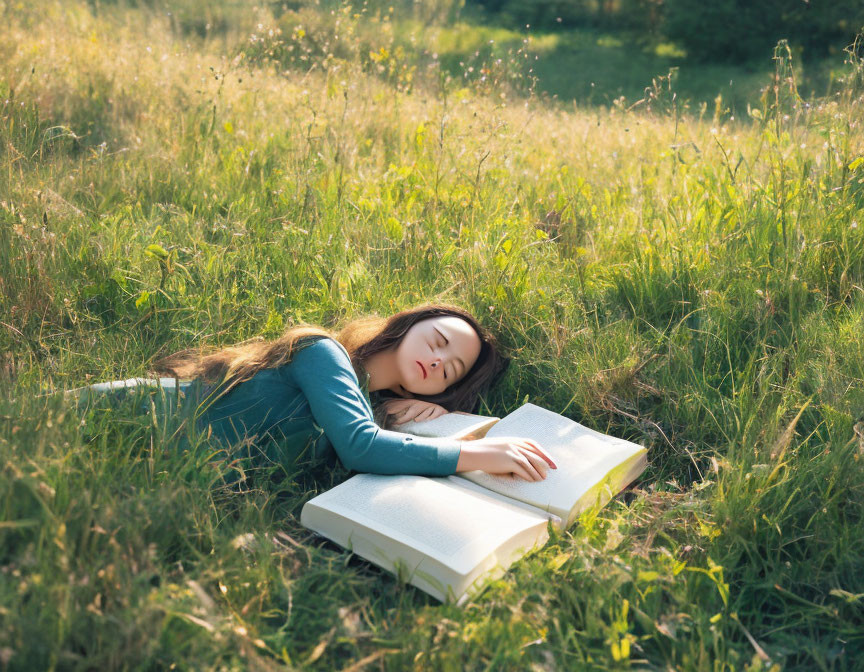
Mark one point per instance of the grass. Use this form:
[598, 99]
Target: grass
[691, 282]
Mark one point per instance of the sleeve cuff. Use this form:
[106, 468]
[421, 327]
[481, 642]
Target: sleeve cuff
[448, 451]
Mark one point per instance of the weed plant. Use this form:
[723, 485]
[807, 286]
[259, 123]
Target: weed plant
[689, 282]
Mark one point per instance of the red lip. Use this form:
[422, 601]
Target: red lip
[424, 371]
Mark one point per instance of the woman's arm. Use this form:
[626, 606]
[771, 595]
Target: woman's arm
[501, 455]
[324, 374]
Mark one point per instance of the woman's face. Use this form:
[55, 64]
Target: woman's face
[435, 353]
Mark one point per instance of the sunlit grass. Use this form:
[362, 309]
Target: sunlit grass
[678, 277]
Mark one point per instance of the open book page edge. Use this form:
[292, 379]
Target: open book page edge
[460, 481]
[561, 498]
[611, 485]
[462, 562]
[420, 570]
[96, 388]
[606, 438]
[475, 430]
[496, 564]
[565, 496]
[412, 564]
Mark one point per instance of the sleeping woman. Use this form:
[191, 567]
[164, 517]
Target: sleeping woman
[316, 387]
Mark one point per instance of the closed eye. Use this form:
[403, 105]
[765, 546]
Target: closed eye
[446, 342]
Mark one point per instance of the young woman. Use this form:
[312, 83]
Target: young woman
[305, 387]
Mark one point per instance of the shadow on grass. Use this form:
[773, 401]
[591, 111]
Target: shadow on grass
[588, 68]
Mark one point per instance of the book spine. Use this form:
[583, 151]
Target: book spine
[470, 485]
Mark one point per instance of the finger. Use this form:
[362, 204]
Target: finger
[409, 415]
[530, 469]
[515, 472]
[393, 409]
[538, 463]
[425, 415]
[522, 472]
[413, 412]
[537, 449]
[438, 412]
[538, 466]
[401, 417]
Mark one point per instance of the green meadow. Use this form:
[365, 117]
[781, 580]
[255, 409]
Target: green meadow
[665, 259]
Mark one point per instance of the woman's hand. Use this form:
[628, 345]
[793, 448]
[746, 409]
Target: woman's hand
[405, 410]
[505, 456]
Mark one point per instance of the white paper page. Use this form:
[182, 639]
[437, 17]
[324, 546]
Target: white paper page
[447, 425]
[583, 456]
[95, 388]
[448, 523]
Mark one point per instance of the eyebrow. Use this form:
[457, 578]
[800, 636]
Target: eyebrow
[447, 340]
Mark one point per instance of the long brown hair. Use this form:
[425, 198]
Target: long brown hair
[362, 338]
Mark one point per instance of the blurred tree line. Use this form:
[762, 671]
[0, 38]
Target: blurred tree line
[709, 30]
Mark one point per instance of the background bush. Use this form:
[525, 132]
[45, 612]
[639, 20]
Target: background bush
[722, 30]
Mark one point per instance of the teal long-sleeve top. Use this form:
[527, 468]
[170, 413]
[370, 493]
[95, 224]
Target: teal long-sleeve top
[317, 396]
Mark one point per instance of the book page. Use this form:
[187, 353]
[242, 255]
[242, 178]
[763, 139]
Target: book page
[584, 458]
[451, 524]
[450, 425]
[129, 383]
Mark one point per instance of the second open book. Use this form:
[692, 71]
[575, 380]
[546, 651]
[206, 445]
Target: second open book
[449, 535]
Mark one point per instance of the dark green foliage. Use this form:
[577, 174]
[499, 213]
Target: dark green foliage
[635, 15]
[738, 30]
[733, 31]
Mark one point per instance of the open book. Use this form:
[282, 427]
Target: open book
[450, 535]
